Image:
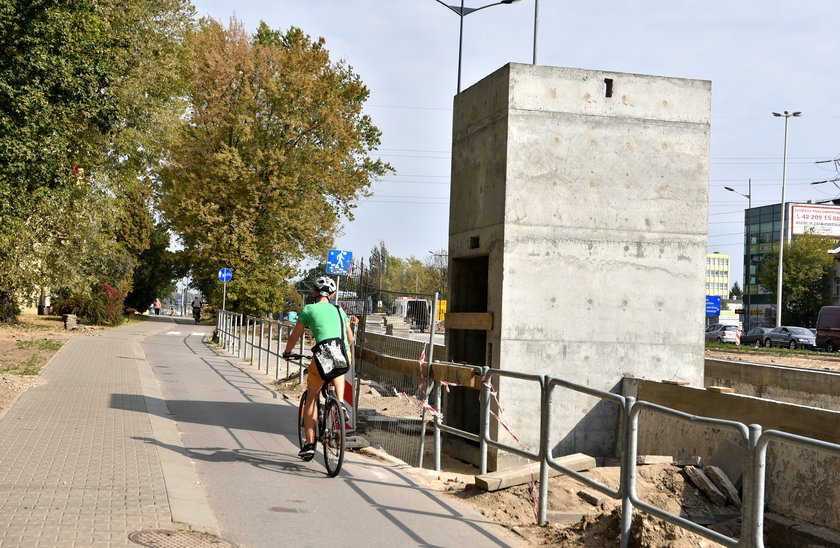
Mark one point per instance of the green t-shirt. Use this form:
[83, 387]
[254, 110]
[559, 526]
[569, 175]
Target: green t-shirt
[322, 319]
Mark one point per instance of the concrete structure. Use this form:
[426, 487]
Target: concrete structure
[717, 275]
[578, 220]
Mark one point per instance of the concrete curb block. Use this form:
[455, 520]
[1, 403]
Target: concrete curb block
[187, 499]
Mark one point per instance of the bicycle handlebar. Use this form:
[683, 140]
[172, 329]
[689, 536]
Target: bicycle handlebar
[295, 356]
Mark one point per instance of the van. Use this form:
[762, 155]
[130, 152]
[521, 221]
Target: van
[828, 328]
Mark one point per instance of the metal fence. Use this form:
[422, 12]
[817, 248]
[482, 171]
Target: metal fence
[260, 341]
[753, 442]
[393, 404]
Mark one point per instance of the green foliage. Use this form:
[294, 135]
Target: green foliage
[735, 292]
[155, 271]
[274, 153]
[89, 93]
[805, 279]
[103, 306]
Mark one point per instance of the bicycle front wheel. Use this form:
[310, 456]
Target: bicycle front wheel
[333, 437]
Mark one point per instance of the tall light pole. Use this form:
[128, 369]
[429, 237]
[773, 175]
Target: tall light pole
[462, 12]
[536, 27]
[748, 196]
[786, 115]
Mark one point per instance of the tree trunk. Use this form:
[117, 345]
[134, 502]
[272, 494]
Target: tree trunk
[7, 307]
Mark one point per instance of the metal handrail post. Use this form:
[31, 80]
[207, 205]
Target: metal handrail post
[300, 360]
[224, 321]
[253, 339]
[484, 421]
[436, 423]
[260, 351]
[546, 402]
[277, 357]
[268, 347]
[752, 515]
[628, 469]
[238, 342]
[428, 389]
[247, 320]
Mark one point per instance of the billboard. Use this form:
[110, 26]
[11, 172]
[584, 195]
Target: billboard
[815, 219]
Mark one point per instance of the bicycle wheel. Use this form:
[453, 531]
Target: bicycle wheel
[301, 429]
[333, 437]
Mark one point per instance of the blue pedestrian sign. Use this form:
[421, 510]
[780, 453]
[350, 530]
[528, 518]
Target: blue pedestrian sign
[712, 305]
[225, 275]
[338, 262]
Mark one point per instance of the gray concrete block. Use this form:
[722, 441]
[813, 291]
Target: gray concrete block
[721, 480]
[702, 481]
[592, 497]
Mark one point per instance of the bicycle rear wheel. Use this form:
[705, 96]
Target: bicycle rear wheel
[333, 437]
[301, 429]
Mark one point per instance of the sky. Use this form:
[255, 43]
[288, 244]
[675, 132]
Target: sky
[760, 56]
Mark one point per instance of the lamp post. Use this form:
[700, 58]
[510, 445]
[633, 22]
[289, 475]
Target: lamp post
[462, 11]
[536, 27]
[786, 115]
[748, 196]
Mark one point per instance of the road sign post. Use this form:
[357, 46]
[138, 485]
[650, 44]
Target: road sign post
[225, 275]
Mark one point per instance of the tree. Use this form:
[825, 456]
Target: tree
[805, 278]
[274, 152]
[735, 292]
[86, 90]
[154, 273]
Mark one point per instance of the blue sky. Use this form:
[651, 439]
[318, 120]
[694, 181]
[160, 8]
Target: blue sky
[760, 57]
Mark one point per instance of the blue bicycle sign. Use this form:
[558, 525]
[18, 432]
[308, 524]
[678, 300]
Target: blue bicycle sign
[225, 275]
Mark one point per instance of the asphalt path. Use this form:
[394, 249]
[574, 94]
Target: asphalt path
[242, 439]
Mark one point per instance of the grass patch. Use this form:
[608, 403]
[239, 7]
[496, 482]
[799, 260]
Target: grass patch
[750, 348]
[49, 345]
[28, 367]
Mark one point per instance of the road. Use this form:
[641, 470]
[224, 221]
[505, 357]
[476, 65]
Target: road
[242, 440]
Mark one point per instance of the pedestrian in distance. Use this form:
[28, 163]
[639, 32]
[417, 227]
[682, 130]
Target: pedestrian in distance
[157, 307]
[325, 323]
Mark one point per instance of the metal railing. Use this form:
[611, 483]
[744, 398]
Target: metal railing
[244, 336]
[258, 340]
[752, 440]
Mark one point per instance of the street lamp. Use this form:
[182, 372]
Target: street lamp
[748, 196]
[786, 115]
[461, 11]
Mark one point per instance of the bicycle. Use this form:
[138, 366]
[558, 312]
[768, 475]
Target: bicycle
[329, 425]
[197, 314]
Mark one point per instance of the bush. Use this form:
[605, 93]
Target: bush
[103, 307]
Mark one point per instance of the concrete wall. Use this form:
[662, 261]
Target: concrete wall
[801, 482]
[592, 211]
[810, 387]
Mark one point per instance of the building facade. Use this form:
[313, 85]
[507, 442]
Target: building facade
[762, 226]
[717, 275]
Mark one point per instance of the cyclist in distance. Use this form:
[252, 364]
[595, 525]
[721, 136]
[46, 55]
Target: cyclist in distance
[322, 319]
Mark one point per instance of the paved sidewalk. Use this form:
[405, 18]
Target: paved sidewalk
[75, 469]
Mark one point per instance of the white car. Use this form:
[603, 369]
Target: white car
[723, 333]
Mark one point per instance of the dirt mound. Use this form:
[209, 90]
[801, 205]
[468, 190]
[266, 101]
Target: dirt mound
[575, 522]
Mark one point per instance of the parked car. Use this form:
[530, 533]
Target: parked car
[755, 336]
[790, 337]
[828, 328]
[723, 333]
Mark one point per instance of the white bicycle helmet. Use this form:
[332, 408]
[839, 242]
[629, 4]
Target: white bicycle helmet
[324, 286]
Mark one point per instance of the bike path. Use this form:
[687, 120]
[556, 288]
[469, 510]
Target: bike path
[242, 438]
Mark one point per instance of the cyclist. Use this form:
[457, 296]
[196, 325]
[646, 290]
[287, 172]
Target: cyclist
[322, 319]
[196, 306]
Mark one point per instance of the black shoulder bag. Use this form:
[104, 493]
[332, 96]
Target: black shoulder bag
[331, 356]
